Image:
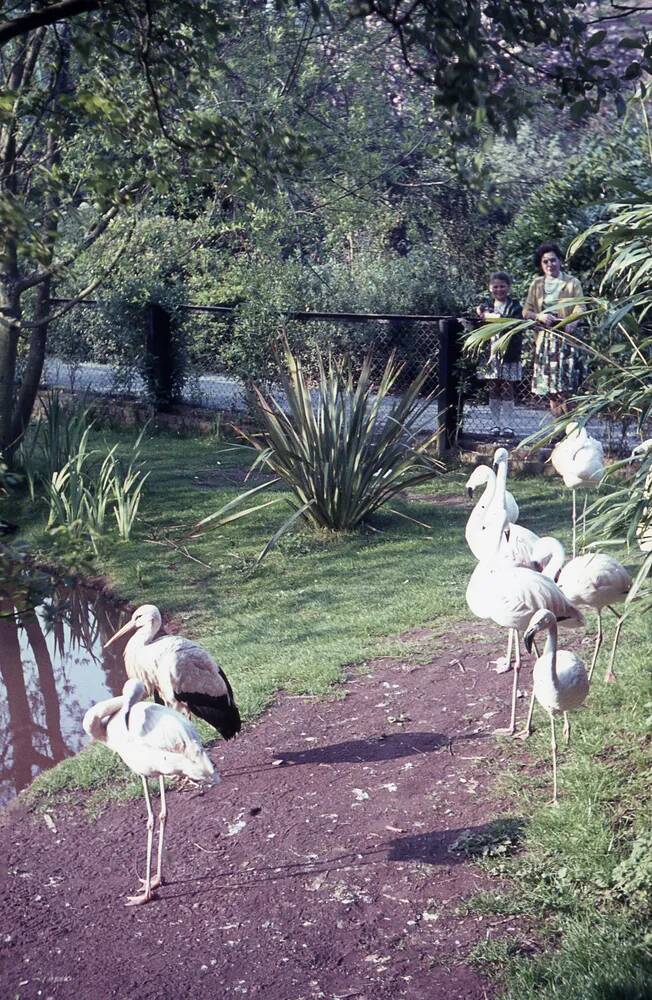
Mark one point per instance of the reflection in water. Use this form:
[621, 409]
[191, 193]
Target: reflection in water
[52, 668]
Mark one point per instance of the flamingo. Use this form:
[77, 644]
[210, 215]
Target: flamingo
[521, 540]
[579, 460]
[560, 681]
[179, 671]
[509, 594]
[484, 475]
[152, 741]
[593, 581]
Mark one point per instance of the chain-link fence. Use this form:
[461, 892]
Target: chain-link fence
[506, 414]
[465, 404]
[213, 369]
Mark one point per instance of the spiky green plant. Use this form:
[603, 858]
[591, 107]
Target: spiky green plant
[343, 448]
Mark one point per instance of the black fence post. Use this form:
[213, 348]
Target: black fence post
[159, 368]
[449, 352]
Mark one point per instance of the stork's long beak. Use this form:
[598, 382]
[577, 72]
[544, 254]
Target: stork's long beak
[129, 627]
[528, 639]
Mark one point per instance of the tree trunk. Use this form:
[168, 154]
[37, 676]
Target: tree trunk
[33, 368]
[9, 317]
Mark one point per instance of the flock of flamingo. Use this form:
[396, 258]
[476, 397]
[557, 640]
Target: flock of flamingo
[520, 583]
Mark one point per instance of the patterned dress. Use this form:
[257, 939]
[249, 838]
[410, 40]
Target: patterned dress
[559, 367]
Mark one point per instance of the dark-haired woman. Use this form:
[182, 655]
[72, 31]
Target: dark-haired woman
[559, 368]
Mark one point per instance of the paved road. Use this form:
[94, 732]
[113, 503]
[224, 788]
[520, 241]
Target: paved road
[220, 392]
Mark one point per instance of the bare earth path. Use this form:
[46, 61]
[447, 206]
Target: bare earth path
[318, 868]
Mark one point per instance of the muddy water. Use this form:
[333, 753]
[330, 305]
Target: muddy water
[52, 668]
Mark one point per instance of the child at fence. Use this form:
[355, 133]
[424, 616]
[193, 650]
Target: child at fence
[502, 373]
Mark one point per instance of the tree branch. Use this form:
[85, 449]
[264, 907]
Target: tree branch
[36, 277]
[47, 15]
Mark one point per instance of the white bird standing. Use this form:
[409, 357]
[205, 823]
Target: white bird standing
[152, 741]
[484, 475]
[509, 594]
[560, 681]
[579, 460]
[593, 581]
[179, 671]
[517, 545]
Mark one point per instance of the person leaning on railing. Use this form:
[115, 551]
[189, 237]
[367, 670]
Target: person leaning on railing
[559, 367]
[501, 373]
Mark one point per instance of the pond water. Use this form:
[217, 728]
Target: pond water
[52, 668]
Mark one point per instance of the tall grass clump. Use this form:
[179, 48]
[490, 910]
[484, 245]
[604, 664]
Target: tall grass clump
[80, 484]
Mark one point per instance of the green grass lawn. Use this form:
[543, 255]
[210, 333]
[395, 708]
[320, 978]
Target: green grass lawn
[317, 604]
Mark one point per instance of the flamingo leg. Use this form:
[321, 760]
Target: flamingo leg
[584, 519]
[567, 729]
[610, 676]
[504, 666]
[598, 643]
[526, 732]
[574, 524]
[517, 668]
[553, 747]
[147, 893]
[162, 817]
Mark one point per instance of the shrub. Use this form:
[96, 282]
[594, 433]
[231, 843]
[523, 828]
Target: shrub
[343, 449]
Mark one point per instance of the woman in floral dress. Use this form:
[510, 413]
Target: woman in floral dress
[559, 367]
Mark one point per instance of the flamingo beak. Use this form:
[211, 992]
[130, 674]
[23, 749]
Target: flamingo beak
[528, 639]
[469, 492]
[495, 467]
[129, 627]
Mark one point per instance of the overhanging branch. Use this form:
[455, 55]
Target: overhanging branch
[47, 15]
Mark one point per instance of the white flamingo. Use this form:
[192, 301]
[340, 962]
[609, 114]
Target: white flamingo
[152, 741]
[560, 681]
[509, 595]
[484, 475]
[593, 581]
[579, 460]
[179, 671]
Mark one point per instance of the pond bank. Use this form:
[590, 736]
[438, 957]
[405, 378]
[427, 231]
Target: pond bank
[330, 861]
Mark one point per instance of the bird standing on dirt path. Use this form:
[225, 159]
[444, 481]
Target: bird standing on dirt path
[509, 595]
[560, 681]
[516, 544]
[179, 671]
[152, 741]
[593, 581]
[484, 475]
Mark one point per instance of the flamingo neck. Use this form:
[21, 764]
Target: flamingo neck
[489, 490]
[556, 561]
[551, 650]
[103, 712]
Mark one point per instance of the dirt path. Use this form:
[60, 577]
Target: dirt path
[318, 868]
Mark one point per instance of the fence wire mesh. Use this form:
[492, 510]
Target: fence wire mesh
[83, 358]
